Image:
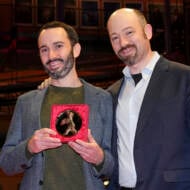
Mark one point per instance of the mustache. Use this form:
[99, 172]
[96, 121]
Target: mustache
[56, 59]
[125, 47]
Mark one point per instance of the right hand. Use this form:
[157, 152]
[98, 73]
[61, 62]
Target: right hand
[43, 139]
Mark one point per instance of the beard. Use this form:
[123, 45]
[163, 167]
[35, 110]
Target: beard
[130, 59]
[68, 64]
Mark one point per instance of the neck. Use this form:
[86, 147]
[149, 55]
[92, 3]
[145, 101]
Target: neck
[139, 66]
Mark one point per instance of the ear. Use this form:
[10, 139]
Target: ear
[76, 50]
[148, 31]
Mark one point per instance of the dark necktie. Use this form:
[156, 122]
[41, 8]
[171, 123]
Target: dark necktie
[137, 77]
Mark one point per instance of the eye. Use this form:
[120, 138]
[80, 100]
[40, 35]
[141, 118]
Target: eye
[114, 38]
[58, 46]
[129, 33]
[43, 50]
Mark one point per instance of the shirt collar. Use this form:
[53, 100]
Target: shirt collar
[147, 71]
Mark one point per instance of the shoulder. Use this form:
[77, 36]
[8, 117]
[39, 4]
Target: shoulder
[32, 95]
[171, 72]
[173, 65]
[91, 89]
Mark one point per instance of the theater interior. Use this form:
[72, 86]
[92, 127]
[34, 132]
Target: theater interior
[20, 66]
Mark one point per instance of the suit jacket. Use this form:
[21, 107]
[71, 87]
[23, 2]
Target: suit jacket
[26, 119]
[162, 140]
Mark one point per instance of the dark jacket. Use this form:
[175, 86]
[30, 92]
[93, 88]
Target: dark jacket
[162, 140]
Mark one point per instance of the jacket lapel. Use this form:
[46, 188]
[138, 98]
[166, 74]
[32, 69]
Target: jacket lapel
[36, 107]
[151, 98]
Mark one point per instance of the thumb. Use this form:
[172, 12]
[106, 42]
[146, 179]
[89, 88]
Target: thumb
[90, 137]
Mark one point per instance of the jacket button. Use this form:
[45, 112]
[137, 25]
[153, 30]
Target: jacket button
[41, 182]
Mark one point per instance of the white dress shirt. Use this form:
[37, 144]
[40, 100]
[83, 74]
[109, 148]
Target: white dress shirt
[127, 113]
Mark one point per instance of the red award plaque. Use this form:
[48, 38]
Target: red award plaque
[70, 121]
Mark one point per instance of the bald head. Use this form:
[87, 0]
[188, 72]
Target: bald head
[125, 15]
[130, 35]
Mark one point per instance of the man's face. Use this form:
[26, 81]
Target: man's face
[56, 52]
[128, 37]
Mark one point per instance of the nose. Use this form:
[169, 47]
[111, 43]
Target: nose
[52, 54]
[123, 41]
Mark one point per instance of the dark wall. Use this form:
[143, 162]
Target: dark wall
[187, 30]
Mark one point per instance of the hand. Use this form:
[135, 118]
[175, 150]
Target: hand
[45, 83]
[43, 139]
[89, 151]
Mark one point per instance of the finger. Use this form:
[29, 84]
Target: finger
[44, 84]
[90, 140]
[46, 142]
[47, 131]
[41, 86]
[90, 137]
[77, 147]
[46, 135]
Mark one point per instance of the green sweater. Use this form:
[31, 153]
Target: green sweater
[63, 167]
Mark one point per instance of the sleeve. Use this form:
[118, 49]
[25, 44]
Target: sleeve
[106, 112]
[13, 156]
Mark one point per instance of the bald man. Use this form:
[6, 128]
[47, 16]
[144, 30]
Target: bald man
[151, 135]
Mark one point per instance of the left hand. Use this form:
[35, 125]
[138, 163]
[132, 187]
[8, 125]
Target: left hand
[89, 151]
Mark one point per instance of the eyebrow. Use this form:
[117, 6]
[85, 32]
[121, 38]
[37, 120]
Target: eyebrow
[127, 28]
[54, 43]
[123, 30]
[58, 42]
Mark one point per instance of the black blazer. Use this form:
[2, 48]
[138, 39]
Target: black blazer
[162, 141]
